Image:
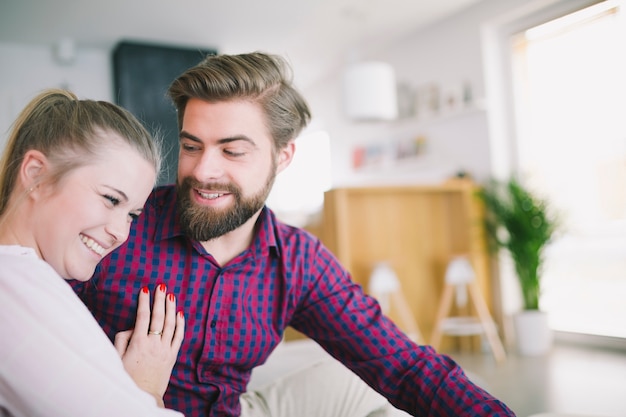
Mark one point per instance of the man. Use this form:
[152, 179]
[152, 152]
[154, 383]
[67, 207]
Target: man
[242, 276]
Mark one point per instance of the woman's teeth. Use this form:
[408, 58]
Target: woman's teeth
[91, 244]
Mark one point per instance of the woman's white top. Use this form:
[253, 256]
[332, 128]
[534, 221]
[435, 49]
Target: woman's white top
[55, 360]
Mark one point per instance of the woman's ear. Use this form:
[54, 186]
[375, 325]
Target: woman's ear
[34, 166]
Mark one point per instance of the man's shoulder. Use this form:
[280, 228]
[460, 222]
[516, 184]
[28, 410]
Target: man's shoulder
[160, 208]
[296, 240]
[162, 196]
[287, 231]
[158, 218]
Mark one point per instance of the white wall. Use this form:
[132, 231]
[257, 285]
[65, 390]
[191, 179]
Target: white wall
[28, 69]
[447, 53]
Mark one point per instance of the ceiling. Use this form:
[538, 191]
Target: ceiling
[313, 34]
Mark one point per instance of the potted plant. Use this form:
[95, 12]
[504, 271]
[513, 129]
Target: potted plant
[519, 222]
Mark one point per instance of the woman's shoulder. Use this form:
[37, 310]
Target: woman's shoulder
[26, 277]
[21, 260]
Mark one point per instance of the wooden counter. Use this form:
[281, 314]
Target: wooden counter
[416, 229]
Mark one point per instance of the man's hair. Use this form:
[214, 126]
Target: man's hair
[259, 77]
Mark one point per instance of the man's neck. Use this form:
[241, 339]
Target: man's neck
[226, 247]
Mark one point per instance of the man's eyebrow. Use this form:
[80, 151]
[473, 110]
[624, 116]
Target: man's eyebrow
[187, 135]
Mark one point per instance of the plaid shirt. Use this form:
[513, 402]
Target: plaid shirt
[236, 314]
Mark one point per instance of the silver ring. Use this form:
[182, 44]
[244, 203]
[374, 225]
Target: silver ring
[157, 333]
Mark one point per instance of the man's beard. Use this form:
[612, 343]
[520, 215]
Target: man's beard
[205, 223]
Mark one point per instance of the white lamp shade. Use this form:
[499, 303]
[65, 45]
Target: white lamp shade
[382, 283]
[370, 92]
[460, 273]
[383, 279]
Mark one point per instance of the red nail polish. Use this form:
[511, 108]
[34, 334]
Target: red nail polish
[145, 290]
[162, 287]
[171, 297]
[180, 313]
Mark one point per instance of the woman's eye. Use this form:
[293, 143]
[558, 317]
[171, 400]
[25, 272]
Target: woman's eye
[112, 200]
[133, 216]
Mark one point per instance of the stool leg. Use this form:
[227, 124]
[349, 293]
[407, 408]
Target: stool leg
[442, 312]
[406, 317]
[488, 324]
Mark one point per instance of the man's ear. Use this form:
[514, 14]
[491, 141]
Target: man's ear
[285, 156]
[34, 166]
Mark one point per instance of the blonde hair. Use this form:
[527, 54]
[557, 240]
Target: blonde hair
[69, 132]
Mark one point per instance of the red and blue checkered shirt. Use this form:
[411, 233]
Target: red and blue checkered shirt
[236, 314]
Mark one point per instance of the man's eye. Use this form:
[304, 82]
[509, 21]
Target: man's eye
[113, 200]
[233, 153]
[189, 148]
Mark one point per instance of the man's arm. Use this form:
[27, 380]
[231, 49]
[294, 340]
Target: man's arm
[351, 326]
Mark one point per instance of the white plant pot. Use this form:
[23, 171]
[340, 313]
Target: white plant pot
[532, 333]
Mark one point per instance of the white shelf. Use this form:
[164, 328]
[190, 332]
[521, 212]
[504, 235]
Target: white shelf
[447, 115]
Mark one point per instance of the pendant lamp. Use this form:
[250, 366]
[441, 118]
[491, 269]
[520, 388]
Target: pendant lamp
[369, 91]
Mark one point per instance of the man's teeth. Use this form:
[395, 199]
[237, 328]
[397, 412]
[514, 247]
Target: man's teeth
[210, 195]
[91, 244]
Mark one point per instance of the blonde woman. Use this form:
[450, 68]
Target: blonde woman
[73, 176]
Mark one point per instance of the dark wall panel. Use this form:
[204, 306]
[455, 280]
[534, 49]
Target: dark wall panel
[141, 75]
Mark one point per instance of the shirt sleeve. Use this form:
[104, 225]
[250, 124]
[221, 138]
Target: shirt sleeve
[56, 361]
[351, 326]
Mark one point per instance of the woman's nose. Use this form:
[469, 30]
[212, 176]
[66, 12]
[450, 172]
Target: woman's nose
[119, 227]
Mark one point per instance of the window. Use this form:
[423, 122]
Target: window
[298, 192]
[569, 91]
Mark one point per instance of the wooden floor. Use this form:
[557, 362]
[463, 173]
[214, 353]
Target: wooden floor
[571, 379]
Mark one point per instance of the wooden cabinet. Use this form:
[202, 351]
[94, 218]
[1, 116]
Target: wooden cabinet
[416, 229]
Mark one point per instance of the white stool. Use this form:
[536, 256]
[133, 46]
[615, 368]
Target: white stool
[460, 281]
[384, 285]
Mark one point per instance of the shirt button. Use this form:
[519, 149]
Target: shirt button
[213, 323]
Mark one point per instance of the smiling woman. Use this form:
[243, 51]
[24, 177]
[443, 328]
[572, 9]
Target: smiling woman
[74, 175]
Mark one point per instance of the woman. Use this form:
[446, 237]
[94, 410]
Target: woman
[74, 174]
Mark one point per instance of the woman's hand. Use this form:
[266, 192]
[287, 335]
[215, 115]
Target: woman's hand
[149, 350]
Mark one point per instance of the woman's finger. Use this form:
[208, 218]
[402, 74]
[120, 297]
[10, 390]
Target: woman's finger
[179, 333]
[157, 320]
[122, 339]
[169, 324]
[142, 324]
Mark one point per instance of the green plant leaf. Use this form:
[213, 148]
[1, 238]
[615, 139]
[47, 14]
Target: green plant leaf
[519, 222]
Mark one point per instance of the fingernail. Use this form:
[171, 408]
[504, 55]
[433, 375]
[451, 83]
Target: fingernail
[145, 290]
[180, 314]
[162, 287]
[171, 297]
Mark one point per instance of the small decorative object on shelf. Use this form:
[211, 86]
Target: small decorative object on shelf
[386, 154]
